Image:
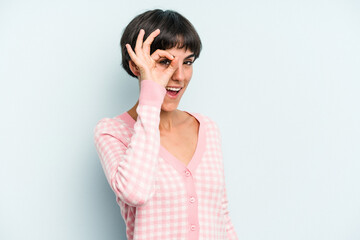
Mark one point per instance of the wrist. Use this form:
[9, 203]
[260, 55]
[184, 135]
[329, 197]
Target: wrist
[151, 93]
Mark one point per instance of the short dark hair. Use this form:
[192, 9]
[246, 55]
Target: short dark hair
[175, 31]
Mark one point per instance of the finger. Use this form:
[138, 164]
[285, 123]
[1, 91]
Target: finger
[158, 54]
[172, 67]
[132, 54]
[149, 40]
[139, 41]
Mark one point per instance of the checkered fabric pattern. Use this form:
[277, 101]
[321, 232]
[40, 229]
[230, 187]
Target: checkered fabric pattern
[159, 196]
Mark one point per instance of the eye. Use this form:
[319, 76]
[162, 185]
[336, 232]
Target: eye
[188, 62]
[165, 62]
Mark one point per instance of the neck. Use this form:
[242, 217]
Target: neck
[168, 120]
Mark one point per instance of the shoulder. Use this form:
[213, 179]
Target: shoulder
[208, 125]
[206, 121]
[115, 126]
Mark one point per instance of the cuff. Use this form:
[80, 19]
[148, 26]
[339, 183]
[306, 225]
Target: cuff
[151, 93]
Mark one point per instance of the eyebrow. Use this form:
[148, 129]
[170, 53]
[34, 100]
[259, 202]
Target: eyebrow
[191, 55]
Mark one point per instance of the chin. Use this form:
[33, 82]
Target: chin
[169, 107]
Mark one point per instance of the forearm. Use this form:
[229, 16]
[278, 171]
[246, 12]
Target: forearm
[131, 168]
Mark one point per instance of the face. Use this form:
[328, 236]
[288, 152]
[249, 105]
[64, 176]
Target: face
[179, 80]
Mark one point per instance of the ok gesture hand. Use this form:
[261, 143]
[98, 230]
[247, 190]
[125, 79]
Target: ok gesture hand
[148, 65]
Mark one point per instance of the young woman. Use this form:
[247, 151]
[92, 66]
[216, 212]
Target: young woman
[164, 165]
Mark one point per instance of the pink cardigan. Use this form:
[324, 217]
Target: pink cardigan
[160, 198]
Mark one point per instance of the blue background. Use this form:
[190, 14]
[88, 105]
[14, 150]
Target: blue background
[281, 79]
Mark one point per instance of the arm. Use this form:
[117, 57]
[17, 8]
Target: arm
[131, 170]
[230, 230]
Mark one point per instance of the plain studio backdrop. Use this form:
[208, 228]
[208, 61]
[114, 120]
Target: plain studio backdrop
[281, 78]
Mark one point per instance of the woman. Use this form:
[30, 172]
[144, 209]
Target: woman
[163, 164]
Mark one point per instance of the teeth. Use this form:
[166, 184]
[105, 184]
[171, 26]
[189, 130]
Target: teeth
[173, 89]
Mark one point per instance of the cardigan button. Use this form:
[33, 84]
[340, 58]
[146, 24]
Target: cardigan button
[192, 199]
[187, 173]
[193, 227]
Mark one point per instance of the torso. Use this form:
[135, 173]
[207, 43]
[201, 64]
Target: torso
[181, 142]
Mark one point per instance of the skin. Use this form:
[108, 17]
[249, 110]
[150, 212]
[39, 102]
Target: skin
[170, 67]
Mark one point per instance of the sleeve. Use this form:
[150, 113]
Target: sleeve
[131, 170]
[230, 230]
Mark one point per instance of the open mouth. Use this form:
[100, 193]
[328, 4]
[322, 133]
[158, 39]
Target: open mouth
[173, 91]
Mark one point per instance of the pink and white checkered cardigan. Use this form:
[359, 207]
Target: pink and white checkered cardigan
[160, 198]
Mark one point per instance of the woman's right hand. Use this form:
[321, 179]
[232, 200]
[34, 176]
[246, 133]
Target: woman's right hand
[149, 66]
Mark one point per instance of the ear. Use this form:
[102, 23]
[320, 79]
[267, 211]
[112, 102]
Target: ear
[134, 69]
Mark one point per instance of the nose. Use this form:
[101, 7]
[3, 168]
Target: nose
[179, 74]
